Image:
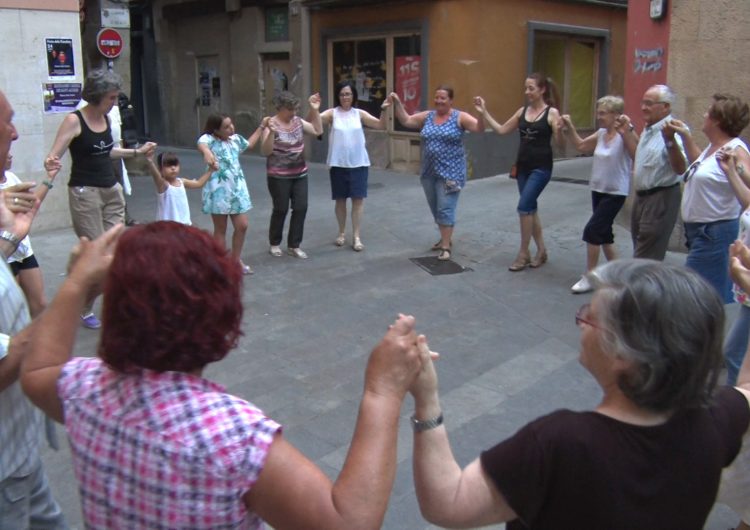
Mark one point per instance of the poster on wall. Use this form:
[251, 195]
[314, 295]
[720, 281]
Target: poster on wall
[408, 82]
[60, 58]
[61, 97]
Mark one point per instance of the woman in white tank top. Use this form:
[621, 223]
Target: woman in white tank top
[610, 178]
[347, 157]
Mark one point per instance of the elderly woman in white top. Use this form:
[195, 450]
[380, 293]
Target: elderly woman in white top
[347, 157]
[610, 178]
[710, 209]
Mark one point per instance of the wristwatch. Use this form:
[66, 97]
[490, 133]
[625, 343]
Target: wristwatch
[426, 425]
[10, 237]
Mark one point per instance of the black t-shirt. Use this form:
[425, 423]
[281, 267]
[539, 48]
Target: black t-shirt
[90, 153]
[535, 149]
[584, 470]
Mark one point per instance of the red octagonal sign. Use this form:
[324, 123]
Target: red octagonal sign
[109, 43]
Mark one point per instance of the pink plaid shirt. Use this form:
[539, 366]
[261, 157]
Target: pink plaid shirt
[161, 450]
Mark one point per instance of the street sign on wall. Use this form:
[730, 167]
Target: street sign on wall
[109, 43]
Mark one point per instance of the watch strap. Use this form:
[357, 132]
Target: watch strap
[426, 425]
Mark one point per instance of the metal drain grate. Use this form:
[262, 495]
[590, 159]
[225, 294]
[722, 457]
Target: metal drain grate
[437, 268]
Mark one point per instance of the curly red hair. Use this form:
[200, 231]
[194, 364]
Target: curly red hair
[172, 300]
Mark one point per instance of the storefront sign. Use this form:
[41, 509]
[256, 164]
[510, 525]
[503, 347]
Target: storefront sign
[407, 84]
[109, 43]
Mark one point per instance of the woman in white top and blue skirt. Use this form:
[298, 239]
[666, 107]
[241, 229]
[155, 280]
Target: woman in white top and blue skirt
[710, 208]
[347, 157]
[610, 179]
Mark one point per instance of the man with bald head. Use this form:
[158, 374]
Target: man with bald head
[25, 498]
[657, 170]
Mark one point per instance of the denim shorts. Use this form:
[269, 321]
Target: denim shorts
[708, 253]
[442, 203]
[530, 187]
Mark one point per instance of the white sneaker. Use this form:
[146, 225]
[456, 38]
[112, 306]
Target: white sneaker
[582, 286]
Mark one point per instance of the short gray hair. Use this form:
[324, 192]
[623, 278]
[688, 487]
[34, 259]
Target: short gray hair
[670, 323]
[285, 100]
[98, 83]
[611, 104]
[666, 94]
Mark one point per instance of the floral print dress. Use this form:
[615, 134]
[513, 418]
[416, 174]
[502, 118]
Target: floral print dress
[226, 193]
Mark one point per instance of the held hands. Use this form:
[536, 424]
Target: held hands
[387, 102]
[426, 383]
[314, 102]
[677, 126]
[394, 98]
[147, 149]
[727, 159]
[479, 105]
[566, 123]
[210, 160]
[622, 123]
[268, 123]
[90, 260]
[395, 361]
[52, 166]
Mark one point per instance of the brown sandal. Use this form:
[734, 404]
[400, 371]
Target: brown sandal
[539, 260]
[520, 264]
[439, 245]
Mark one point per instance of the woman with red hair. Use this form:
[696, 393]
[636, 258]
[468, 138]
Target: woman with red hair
[154, 443]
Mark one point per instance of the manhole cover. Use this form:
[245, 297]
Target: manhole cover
[437, 268]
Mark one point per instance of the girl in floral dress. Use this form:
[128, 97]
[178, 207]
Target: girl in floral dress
[225, 195]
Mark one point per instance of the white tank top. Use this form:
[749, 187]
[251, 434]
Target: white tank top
[346, 144]
[172, 205]
[610, 170]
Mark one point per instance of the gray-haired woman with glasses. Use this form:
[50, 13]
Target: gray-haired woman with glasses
[649, 455]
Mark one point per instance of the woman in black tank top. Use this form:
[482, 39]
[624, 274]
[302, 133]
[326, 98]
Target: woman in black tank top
[537, 123]
[95, 197]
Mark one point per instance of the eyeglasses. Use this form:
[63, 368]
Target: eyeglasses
[650, 103]
[582, 316]
[691, 170]
[346, 95]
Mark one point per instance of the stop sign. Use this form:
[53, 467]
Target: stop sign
[109, 43]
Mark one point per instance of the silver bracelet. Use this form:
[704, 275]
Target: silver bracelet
[426, 425]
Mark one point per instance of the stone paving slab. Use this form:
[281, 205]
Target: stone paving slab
[508, 340]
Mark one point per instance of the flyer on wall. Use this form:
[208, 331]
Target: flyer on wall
[60, 58]
[61, 97]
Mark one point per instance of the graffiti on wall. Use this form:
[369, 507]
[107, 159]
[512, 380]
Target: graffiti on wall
[650, 60]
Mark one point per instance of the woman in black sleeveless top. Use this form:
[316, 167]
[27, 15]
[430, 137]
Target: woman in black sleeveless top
[95, 197]
[537, 122]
